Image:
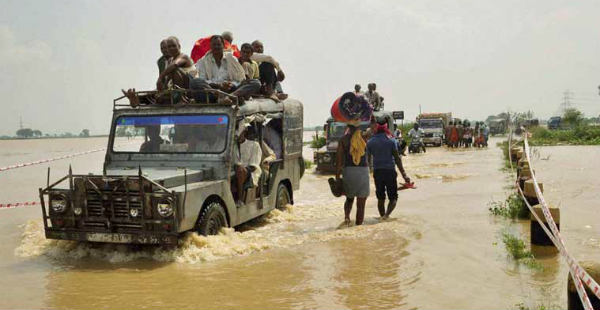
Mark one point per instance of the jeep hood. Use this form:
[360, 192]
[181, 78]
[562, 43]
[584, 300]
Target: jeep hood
[167, 177]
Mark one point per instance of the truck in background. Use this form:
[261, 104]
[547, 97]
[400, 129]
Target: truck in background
[554, 123]
[497, 125]
[434, 125]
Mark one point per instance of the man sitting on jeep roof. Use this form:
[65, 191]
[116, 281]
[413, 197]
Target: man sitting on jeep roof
[220, 70]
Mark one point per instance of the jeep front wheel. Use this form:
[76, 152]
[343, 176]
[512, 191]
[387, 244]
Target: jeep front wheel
[283, 197]
[211, 219]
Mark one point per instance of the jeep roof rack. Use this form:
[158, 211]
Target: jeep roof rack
[172, 102]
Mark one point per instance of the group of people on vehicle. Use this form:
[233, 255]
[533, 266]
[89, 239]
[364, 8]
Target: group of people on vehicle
[216, 64]
[371, 95]
[461, 134]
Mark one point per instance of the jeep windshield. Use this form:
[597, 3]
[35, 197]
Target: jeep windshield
[198, 133]
[430, 123]
[337, 130]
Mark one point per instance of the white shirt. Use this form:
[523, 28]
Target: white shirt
[250, 155]
[398, 133]
[373, 98]
[258, 57]
[230, 69]
[220, 73]
[416, 133]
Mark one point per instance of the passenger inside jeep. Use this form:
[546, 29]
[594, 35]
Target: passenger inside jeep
[153, 144]
[251, 161]
[272, 136]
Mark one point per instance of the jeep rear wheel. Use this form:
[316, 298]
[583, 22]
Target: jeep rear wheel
[283, 197]
[211, 219]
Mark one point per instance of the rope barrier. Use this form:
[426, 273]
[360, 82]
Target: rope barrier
[577, 273]
[18, 204]
[21, 165]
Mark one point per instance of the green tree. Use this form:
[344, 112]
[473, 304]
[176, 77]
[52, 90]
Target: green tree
[25, 133]
[85, 133]
[37, 133]
[572, 117]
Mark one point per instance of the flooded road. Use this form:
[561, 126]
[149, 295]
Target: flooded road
[441, 249]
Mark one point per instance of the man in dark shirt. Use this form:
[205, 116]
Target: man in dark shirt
[385, 154]
[152, 145]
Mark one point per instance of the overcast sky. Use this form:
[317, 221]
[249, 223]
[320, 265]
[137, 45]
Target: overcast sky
[64, 61]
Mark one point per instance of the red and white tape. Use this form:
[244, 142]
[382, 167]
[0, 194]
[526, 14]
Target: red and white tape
[578, 274]
[18, 204]
[37, 162]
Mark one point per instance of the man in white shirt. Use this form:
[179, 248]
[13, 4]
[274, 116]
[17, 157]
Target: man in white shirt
[416, 134]
[247, 159]
[222, 71]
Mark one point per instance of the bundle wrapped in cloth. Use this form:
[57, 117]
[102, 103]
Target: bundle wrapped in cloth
[350, 108]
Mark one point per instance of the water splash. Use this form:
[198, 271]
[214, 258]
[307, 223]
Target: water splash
[281, 232]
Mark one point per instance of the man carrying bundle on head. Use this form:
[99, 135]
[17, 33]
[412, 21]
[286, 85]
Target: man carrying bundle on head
[385, 154]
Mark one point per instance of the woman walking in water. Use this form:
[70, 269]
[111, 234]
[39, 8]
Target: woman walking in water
[352, 164]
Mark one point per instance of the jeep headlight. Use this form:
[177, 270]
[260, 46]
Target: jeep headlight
[134, 212]
[58, 203]
[165, 207]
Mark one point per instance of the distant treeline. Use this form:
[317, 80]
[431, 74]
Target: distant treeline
[314, 128]
[28, 133]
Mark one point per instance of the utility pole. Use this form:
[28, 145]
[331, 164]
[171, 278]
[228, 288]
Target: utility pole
[566, 100]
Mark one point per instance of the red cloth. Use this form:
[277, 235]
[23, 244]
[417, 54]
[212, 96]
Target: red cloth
[383, 128]
[234, 49]
[336, 113]
[202, 46]
[454, 135]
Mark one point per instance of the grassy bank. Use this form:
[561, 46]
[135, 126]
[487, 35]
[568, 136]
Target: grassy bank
[580, 135]
[515, 246]
[512, 208]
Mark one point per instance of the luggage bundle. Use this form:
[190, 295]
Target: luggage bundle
[350, 108]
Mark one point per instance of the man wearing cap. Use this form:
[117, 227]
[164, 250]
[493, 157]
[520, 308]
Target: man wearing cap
[228, 37]
[384, 151]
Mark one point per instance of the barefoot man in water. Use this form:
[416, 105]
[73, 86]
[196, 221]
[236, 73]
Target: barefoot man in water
[385, 153]
[352, 164]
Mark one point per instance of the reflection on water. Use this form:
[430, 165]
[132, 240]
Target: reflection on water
[441, 249]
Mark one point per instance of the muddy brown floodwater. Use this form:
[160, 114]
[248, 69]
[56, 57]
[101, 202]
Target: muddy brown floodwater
[442, 249]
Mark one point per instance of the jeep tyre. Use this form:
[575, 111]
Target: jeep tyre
[283, 197]
[211, 219]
